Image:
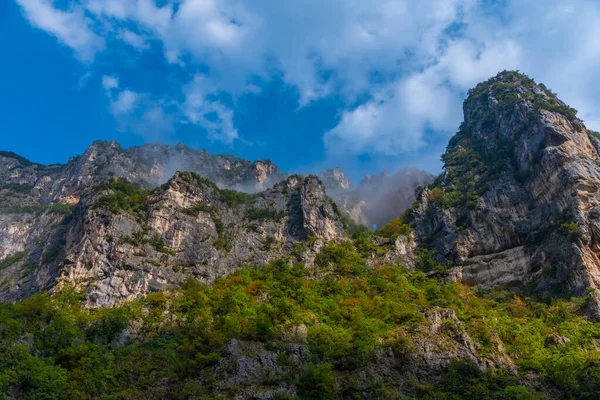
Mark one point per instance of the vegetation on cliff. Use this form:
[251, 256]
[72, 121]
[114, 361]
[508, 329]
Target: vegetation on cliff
[52, 347]
[478, 154]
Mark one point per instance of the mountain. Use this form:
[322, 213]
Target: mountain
[518, 203]
[335, 180]
[148, 165]
[120, 280]
[121, 242]
[113, 224]
[375, 201]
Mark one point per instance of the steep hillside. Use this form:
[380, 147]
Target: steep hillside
[121, 242]
[337, 330]
[518, 204]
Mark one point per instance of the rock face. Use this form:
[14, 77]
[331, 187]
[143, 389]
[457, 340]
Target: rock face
[51, 232]
[335, 179]
[378, 198]
[518, 203]
[186, 228]
[393, 251]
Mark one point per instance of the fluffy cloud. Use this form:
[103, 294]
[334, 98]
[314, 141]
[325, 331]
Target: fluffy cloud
[144, 13]
[152, 117]
[139, 42]
[396, 119]
[141, 114]
[71, 27]
[408, 62]
[124, 103]
[110, 82]
[204, 109]
[138, 113]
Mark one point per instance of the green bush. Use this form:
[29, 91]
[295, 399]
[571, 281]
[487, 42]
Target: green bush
[318, 383]
[12, 259]
[156, 241]
[426, 260]
[342, 258]
[570, 230]
[125, 198]
[264, 214]
[194, 178]
[554, 105]
[224, 239]
[268, 243]
[396, 227]
[233, 198]
[198, 208]
[62, 209]
[364, 244]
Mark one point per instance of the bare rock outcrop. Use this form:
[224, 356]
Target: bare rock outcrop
[119, 249]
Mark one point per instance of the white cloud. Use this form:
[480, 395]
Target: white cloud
[412, 60]
[397, 118]
[110, 82]
[124, 103]
[201, 108]
[139, 113]
[151, 117]
[139, 42]
[562, 49]
[143, 12]
[70, 27]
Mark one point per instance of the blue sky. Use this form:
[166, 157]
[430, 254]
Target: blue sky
[311, 84]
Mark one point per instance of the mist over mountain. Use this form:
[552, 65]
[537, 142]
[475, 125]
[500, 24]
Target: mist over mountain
[147, 165]
[378, 198]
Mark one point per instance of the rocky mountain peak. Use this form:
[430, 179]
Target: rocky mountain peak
[335, 178]
[518, 200]
[262, 174]
[148, 165]
[104, 145]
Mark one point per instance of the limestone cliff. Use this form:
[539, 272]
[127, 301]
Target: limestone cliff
[121, 242]
[518, 203]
